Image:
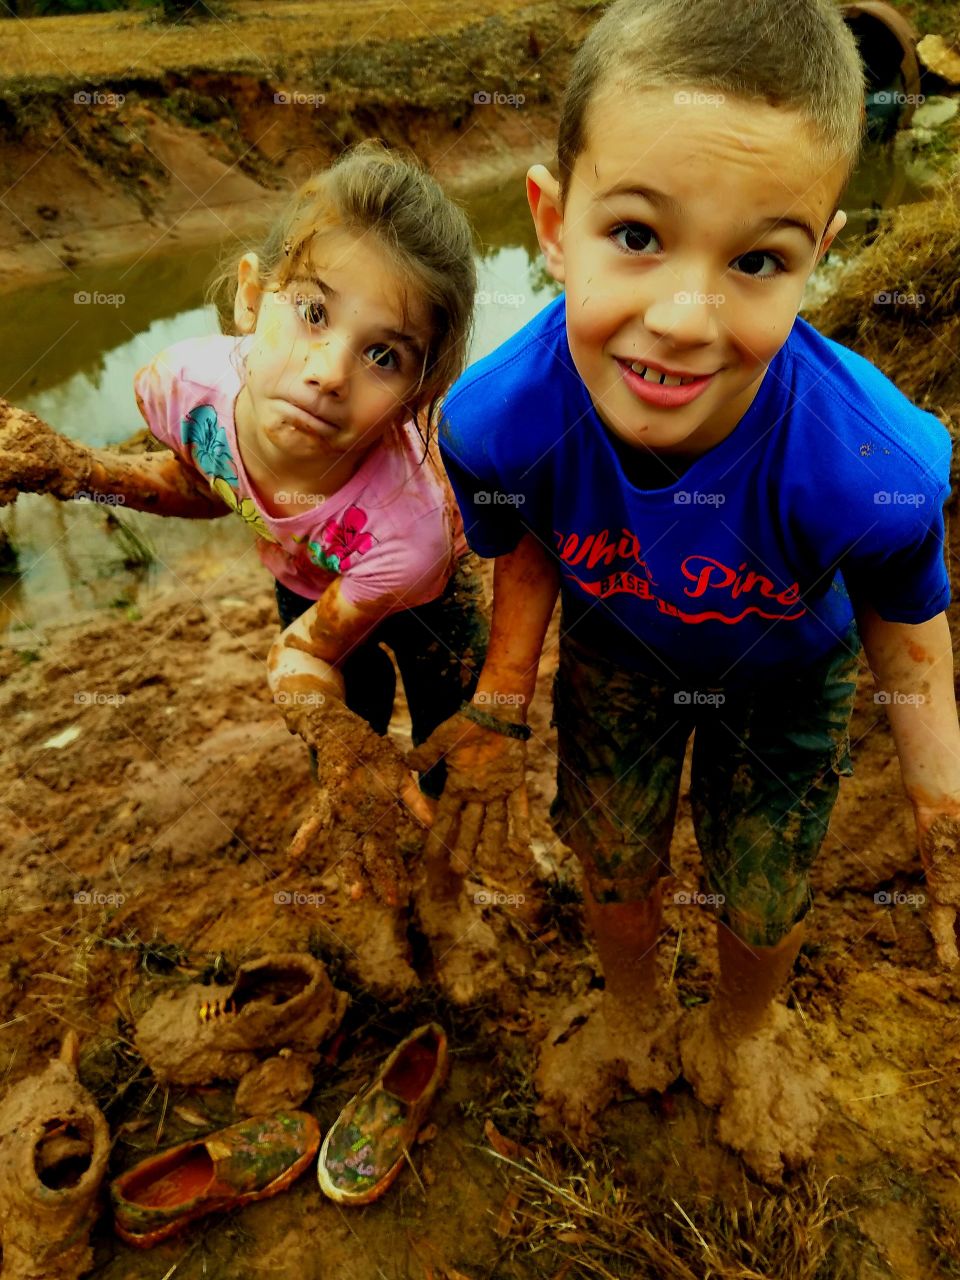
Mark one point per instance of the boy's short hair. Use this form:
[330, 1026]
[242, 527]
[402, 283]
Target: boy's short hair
[794, 54]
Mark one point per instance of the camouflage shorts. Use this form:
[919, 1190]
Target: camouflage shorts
[765, 774]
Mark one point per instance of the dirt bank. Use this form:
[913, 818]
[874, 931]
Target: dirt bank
[118, 135]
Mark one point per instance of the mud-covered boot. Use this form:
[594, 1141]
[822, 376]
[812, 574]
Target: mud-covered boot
[54, 1144]
[202, 1033]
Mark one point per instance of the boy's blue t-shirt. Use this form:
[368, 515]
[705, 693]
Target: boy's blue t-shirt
[829, 490]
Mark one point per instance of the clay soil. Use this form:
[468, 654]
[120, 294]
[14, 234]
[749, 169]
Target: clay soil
[149, 789]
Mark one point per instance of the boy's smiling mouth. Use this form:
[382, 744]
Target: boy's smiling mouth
[658, 387]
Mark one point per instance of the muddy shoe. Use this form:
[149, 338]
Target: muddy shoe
[366, 1148]
[54, 1145]
[203, 1033]
[252, 1160]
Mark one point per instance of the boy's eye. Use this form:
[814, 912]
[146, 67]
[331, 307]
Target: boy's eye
[635, 237]
[383, 357]
[751, 264]
[311, 310]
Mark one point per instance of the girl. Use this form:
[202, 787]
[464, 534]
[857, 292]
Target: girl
[312, 422]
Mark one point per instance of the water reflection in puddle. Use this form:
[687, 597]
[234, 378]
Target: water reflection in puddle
[72, 362]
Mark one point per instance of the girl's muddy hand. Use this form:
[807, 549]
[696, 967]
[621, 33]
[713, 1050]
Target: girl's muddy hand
[352, 825]
[35, 459]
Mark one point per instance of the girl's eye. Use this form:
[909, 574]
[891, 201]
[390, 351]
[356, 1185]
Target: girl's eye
[635, 237]
[311, 310]
[383, 357]
[755, 259]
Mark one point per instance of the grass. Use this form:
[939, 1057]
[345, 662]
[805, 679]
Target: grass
[256, 37]
[584, 1223]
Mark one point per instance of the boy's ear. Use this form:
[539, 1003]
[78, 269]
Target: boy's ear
[246, 302]
[543, 196]
[836, 225]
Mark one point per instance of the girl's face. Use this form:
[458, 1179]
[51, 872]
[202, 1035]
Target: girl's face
[332, 366]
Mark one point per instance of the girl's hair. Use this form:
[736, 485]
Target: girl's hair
[799, 55]
[427, 236]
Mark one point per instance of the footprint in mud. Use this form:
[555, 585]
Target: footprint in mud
[595, 1049]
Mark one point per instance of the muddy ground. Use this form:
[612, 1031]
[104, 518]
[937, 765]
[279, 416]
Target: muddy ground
[145, 769]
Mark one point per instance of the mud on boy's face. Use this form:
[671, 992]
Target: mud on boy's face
[691, 274]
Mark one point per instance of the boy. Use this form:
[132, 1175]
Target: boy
[728, 504]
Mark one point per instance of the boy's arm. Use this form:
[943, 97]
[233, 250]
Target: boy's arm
[484, 803]
[36, 459]
[912, 665]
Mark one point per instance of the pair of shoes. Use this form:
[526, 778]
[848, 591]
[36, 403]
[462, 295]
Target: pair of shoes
[362, 1154]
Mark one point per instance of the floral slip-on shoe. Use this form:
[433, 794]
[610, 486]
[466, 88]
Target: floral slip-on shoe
[252, 1160]
[365, 1150]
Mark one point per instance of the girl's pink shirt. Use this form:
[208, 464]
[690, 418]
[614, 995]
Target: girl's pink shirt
[393, 533]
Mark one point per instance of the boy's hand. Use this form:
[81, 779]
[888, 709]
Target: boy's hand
[938, 835]
[483, 811]
[35, 459]
[353, 822]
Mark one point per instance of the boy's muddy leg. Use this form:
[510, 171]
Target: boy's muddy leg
[765, 777]
[625, 1033]
[750, 1057]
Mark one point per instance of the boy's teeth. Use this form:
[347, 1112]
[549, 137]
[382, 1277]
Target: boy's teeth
[664, 379]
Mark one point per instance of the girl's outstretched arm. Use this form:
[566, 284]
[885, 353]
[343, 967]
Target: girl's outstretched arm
[36, 459]
[364, 777]
[913, 668]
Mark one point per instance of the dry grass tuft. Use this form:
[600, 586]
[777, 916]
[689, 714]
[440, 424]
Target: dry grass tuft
[584, 1224]
[899, 304]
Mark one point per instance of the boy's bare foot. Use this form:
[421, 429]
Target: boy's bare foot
[598, 1045]
[768, 1084]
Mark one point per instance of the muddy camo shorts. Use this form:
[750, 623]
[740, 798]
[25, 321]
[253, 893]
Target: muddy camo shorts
[765, 774]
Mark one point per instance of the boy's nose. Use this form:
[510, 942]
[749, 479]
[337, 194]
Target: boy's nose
[687, 315]
[327, 364]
